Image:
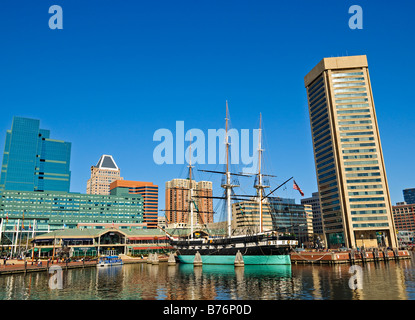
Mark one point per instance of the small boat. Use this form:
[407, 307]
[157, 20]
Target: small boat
[108, 261]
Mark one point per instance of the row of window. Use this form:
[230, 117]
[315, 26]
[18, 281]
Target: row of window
[368, 212]
[362, 168]
[352, 84]
[351, 100]
[352, 106]
[363, 156]
[362, 133]
[346, 74]
[340, 90]
[353, 111]
[357, 139]
[348, 79]
[367, 186]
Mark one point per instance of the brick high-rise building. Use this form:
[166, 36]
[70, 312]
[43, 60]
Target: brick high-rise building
[148, 190]
[178, 197]
[404, 217]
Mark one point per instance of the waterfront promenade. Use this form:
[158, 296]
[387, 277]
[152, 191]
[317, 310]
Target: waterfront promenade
[349, 256]
[19, 266]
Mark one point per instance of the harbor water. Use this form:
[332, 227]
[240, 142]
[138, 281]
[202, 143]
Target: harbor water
[393, 280]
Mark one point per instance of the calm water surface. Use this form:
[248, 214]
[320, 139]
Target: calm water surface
[383, 280]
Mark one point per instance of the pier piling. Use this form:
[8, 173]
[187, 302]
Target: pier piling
[239, 260]
[172, 260]
[155, 259]
[396, 253]
[150, 258]
[363, 255]
[197, 262]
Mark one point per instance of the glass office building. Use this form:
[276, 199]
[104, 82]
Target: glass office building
[409, 195]
[26, 214]
[278, 214]
[32, 161]
[59, 209]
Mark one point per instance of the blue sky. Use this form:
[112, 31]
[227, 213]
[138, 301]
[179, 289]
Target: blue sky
[119, 71]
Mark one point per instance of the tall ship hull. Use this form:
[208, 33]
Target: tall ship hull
[255, 250]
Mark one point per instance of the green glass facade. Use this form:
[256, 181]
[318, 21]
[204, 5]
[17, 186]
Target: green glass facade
[32, 161]
[56, 210]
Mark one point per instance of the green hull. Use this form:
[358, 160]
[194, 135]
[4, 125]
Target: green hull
[283, 259]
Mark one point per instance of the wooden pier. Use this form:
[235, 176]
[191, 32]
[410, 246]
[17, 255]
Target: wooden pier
[18, 266]
[352, 256]
[28, 267]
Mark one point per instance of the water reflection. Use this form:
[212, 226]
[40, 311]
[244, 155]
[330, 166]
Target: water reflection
[382, 280]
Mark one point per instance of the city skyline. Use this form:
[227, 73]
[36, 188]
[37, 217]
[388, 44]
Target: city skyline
[107, 86]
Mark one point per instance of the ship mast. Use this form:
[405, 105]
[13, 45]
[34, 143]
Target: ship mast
[228, 185]
[191, 188]
[259, 186]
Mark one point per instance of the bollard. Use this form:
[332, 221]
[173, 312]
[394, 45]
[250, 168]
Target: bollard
[150, 258]
[352, 256]
[363, 254]
[396, 253]
[155, 259]
[172, 260]
[239, 260]
[197, 262]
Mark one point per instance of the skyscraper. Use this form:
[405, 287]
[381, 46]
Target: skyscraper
[409, 195]
[148, 190]
[105, 172]
[355, 201]
[32, 161]
[314, 201]
[178, 199]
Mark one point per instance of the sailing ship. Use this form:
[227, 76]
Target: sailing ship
[259, 247]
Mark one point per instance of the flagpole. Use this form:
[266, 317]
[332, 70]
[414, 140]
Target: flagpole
[1, 234]
[16, 238]
[21, 233]
[33, 237]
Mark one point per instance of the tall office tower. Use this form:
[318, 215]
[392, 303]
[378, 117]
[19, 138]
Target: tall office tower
[351, 177]
[32, 161]
[105, 172]
[314, 201]
[409, 195]
[148, 190]
[178, 198]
